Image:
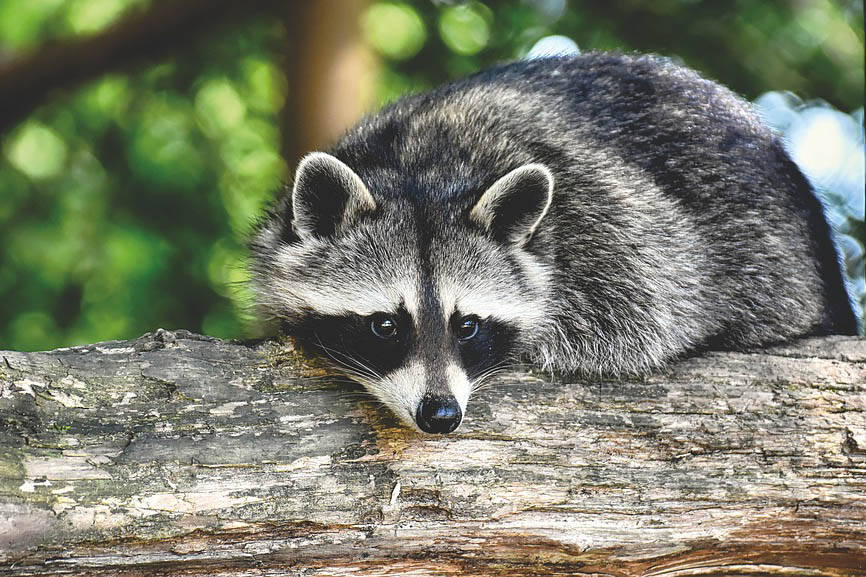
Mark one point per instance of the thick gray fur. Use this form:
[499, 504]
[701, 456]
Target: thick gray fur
[677, 221]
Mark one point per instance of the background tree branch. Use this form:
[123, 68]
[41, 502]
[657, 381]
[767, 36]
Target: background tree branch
[163, 29]
[179, 453]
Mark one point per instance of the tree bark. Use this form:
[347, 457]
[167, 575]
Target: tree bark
[181, 454]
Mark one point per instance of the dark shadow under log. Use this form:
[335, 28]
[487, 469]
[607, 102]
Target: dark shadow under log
[181, 454]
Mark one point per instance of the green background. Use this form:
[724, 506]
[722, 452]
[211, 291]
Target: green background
[125, 203]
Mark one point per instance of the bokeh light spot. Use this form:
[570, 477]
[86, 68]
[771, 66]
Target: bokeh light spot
[265, 85]
[555, 45]
[394, 29]
[828, 146]
[37, 151]
[88, 16]
[465, 28]
[218, 106]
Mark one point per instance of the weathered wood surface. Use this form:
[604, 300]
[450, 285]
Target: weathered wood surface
[179, 454]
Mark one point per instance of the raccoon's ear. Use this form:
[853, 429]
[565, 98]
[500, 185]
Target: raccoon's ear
[327, 195]
[511, 209]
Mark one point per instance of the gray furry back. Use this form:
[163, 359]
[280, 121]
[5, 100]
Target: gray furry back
[676, 220]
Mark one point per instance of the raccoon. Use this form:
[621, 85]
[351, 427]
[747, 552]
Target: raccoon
[599, 215]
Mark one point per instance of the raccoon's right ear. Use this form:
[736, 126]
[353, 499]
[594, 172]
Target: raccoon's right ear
[327, 195]
[512, 207]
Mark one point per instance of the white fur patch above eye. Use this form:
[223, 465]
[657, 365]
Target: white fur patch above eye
[341, 302]
[353, 292]
[487, 300]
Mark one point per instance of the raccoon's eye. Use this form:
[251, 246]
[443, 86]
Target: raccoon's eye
[467, 328]
[383, 326]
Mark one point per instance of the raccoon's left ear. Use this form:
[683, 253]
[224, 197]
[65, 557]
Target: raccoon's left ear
[327, 196]
[511, 209]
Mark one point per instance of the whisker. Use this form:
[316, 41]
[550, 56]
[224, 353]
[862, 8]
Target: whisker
[347, 362]
[486, 379]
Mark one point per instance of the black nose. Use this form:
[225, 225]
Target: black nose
[438, 414]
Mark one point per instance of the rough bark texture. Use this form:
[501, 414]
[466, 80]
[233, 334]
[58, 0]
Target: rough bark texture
[181, 454]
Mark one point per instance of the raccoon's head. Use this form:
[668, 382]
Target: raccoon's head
[418, 300]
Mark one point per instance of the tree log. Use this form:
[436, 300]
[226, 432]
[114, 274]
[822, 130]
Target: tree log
[182, 454]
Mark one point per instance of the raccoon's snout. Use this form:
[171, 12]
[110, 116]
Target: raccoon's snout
[438, 414]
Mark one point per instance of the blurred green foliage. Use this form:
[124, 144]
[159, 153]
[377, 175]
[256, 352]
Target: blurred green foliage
[124, 206]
